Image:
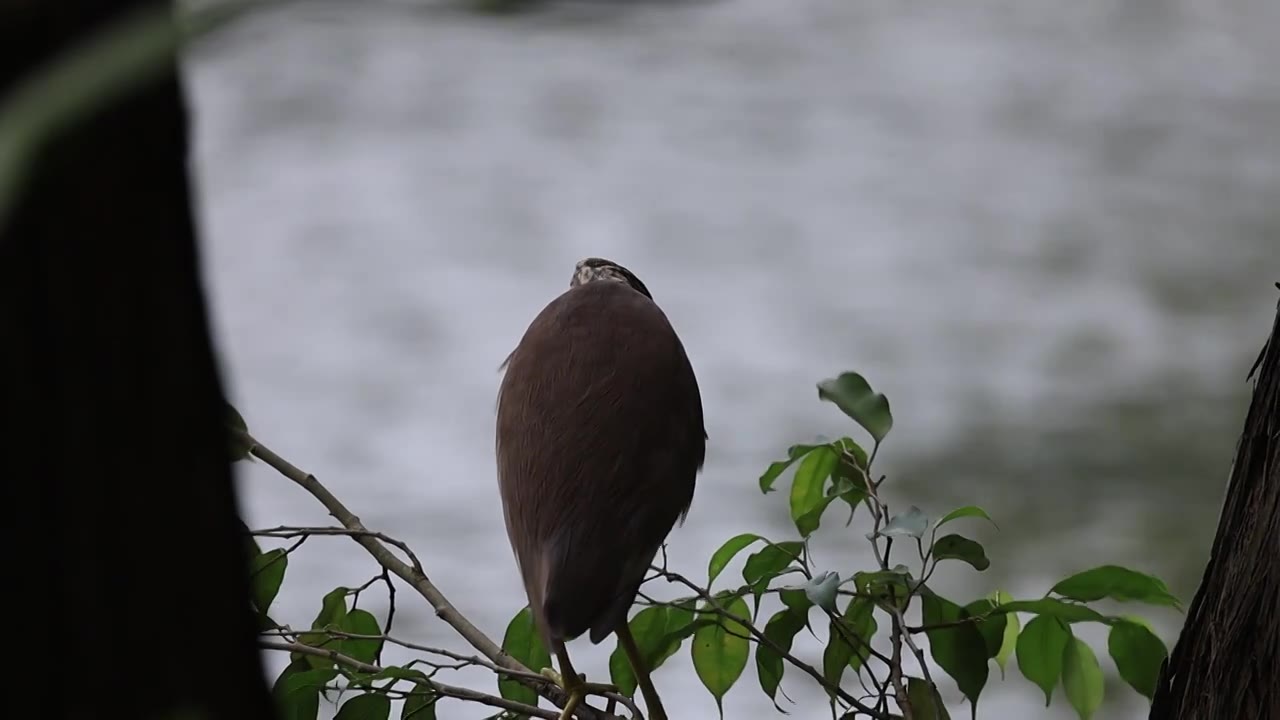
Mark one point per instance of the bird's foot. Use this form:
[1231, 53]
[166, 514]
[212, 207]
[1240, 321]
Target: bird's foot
[577, 689]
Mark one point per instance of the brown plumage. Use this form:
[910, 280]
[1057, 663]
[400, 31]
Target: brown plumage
[600, 437]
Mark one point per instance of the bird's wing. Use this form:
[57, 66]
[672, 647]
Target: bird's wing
[601, 438]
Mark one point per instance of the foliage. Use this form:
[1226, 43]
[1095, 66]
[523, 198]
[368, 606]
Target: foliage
[355, 637]
[865, 610]
[863, 616]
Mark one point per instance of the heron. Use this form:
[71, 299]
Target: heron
[599, 442]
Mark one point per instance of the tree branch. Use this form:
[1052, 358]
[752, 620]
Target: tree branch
[441, 689]
[895, 671]
[458, 657]
[376, 545]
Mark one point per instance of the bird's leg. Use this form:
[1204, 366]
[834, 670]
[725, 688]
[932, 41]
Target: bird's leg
[574, 685]
[638, 667]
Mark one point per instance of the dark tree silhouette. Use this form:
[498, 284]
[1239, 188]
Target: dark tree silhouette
[1225, 662]
[127, 565]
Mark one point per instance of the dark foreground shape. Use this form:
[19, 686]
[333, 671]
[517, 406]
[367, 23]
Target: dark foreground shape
[126, 567]
[1224, 664]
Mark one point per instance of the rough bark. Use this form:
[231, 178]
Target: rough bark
[1226, 660]
[127, 566]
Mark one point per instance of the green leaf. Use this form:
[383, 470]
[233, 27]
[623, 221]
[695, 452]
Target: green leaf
[1039, 651]
[880, 583]
[765, 564]
[360, 622]
[781, 629]
[266, 624]
[522, 642]
[859, 616]
[848, 445]
[420, 705]
[853, 395]
[720, 651]
[705, 620]
[1117, 583]
[835, 656]
[620, 672]
[298, 692]
[293, 668]
[333, 610]
[266, 573]
[841, 484]
[775, 470]
[1011, 629]
[911, 523]
[957, 547]
[768, 563]
[649, 628]
[731, 547]
[1136, 619]
[992, 626]
[369, 706]
[849, 481]
[848, 638]
[682, 623]
[1138, 654]
[807, 488]
[847, 489]
[1082, 678]
[821, 590]
[926, 701]
[1065, 611]
[959, 650]
[810, 521]
[797, 601]
[966, 511]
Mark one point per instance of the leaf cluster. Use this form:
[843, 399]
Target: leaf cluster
[860, 615]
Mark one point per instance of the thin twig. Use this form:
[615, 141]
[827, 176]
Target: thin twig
[880, 512]
[286, 531]
[895, 668]
[459, 693]
[782, 652]
[851, 638]
[376, 545]
[971, 620]
[459, 657]
[911, 643]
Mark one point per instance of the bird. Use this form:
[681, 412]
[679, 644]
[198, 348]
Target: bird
[599, 440]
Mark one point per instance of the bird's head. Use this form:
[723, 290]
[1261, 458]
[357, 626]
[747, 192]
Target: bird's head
[595, 269]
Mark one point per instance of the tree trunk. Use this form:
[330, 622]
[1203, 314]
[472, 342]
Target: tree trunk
[1225, 662]
[128, 569]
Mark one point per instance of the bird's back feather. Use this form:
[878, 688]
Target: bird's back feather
[600, 437]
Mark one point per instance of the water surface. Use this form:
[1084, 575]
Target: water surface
[1048, 232]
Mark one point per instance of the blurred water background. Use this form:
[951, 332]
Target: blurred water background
[1047, 231]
